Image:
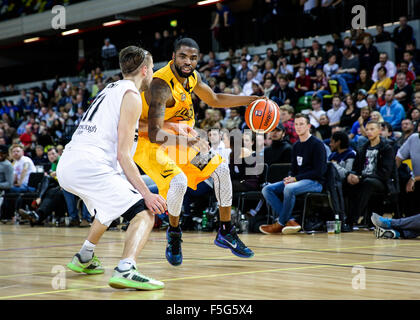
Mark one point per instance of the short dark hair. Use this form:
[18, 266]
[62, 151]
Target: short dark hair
[302, 115]
[342, 137]
[188, 42]
[317, 99]
[383, 68]
[52, 148]
[385, 124]
[131, 58]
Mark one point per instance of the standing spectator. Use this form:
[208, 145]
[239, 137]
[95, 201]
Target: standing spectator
[157, 47]
[280, 150]
[22, 168]
[402, 35]
[392, 112]
[381, 35]
[370, 173]
[383, 81]
[368, 55]
[109, 55]
[337, 110]
[224, 21]
[346, 74]
[316, 112]
[307, 174]
[286, 118]
[403, 91]
[391, 69]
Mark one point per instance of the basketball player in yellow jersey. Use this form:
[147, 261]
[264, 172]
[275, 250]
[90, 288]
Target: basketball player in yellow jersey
[183, 162]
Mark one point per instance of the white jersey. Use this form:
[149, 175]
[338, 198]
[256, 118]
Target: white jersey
[98, 129]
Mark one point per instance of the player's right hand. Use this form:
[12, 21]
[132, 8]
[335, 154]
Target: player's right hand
[155, 203]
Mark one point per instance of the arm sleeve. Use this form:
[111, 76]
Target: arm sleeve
[9, 175]
[348, 165]
[404, 152]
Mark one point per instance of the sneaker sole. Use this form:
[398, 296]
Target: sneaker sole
[119, 283]
[74, 268]
[265, 232]
[291, 230]
[221, 245]
[175, 264]
[79, 269]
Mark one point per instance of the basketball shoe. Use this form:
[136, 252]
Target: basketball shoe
[231, 241]
[133, 279]
[30, 215]
[173, 248]
[386, 233]
[379, 221]
[93, 266]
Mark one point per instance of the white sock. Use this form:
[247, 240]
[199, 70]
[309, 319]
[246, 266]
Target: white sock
[125, 264]
[86, 252]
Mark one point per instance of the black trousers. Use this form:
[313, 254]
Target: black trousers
[358, 196]
[52, 201]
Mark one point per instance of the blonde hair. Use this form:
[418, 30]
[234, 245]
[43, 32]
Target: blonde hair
[377, 113]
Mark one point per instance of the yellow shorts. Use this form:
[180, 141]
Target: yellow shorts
[162, 165]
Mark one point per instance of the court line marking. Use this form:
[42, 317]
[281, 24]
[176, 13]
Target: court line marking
[289, 251]
[213, 275]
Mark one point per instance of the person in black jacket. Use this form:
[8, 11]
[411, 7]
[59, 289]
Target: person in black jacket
[280, 150]
[370, 173]
[282, 93]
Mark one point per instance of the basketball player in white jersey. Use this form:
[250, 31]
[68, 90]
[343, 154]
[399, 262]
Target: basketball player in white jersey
[90, 168]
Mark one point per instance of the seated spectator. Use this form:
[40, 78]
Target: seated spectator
[381, 35]
[350, 115]
[331, 67]
[257, 89]
[407, 129]
[361, 99]
[234, 120]
[26, 137]
[6, 171]
[302, 82]
[307, 174]
[346, 74]
[319, 85]
[268, 87]
[364, 81]
[316, 112]
[323, 131]
[286, 118]
[381, 97]
[258, 76]
[370, 173]
[409, 75]
[295, 58]
[403, 91]
[337, 110]
[390, 68]
[22, 168]
[282, 93]
[40, 159]
[392, 112]
[242, 72]
[247, 87]
[357, 134]
[342, 155]
[415, 113]
[368, 54]
[411, 193]
[413, 62]
[383, 81]
[388, 134]
[372, 102]
[376, 116]
[280, 150]
[283, 67]
[405, 228]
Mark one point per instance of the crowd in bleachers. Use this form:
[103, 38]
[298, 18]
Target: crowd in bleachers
[341, 86]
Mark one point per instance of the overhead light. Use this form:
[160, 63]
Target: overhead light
[203, 3]
[31, 39]
[111, 23]
[66, 33]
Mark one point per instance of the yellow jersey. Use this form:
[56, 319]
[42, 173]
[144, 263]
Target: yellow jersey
[183, 109]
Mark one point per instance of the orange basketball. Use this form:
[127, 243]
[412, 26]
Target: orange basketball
[262, 115]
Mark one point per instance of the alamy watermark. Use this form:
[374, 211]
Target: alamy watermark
[359, 280]
[359, 20]
[59, 20]
[59, 281]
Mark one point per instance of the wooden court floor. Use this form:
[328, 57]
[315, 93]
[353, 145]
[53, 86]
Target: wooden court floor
[302, 266]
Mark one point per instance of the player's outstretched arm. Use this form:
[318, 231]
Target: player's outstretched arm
[220, 100]
[129, 114]
[158, 96]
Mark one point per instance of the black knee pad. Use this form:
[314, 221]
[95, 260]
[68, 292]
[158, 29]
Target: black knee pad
[136, 208]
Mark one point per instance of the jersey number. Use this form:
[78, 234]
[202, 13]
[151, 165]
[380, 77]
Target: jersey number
[94, 107]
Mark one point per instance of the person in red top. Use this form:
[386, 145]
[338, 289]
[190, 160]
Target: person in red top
[403, 67]
[26, 137]
[286, 117]
[303, 82]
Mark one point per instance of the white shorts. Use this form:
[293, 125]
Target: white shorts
[106, 193]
